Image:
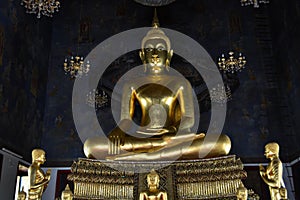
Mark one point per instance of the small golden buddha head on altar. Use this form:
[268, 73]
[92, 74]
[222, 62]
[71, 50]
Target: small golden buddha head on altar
[22, 194]
[38, 156]
[242, 193]
[156, 50]
[271, 150]
[153, 179]
[67, 193]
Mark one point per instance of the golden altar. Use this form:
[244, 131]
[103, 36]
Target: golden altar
[214, 178]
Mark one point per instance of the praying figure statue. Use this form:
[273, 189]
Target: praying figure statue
[67, 193]
[153, 193]
[242, 193]
[22, 194]
[167, 113]
[38, 180]
[272, 174]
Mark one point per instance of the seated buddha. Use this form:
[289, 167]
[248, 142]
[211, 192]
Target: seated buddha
[167, 114]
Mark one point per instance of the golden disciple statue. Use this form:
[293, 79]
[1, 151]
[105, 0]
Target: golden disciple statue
[242, 193]
[153, 193]
[167, 113]
[22, 194]
[38, 180]
[272, 174]
[67, 193]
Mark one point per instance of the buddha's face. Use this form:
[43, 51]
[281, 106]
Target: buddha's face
[242, 194]
[155, 55]
[153, 180]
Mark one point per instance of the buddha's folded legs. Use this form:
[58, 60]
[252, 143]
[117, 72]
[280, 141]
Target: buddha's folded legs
[216, 145]
[101, 147]
[210, 146]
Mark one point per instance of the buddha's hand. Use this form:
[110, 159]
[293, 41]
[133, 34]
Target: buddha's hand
[158, 131]
[117, 135]
[179, 138]
[199, 135]
[116, 139]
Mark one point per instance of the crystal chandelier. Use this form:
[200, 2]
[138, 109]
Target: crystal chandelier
[255, 3]
[76, 66]
[97, 99]
[155, 3]
[232, 64]
[220, 94]
[44, 7]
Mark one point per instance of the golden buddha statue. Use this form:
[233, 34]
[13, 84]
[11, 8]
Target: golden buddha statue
[153, 193]
[167, 108]
[67, 194]
[242, 193]
[272, 174]
[22, 194]
[38, 180]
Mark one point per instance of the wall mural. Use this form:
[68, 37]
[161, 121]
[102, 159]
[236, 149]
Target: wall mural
[218, 29]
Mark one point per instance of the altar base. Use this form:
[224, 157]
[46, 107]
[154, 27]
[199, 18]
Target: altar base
[215, 178]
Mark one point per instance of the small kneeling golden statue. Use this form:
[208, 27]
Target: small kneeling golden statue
[153, 193]
[242, 193]
[67, 194]
[38, 180]
[22, 194]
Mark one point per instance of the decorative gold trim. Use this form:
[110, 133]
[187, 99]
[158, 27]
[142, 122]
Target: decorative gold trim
[215, 178]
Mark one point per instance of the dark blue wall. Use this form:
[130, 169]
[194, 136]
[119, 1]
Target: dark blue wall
[24, 53]
[252, 116]
[286, 30]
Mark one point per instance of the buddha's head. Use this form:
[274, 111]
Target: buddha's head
[22, 194]
[271, 150]
[67, 194]
[156, 50]
[38, 156]
[153, 179]
[242, 193]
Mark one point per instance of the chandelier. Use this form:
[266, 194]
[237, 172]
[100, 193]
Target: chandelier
[97, 99]
[44, 7]
[255, 3]
[155, 3]
[220, 94]
[232, 64]
[76, 66]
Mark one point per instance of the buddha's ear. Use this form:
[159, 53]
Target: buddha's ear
[142, 55]
[170, 54]
[169, 57]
